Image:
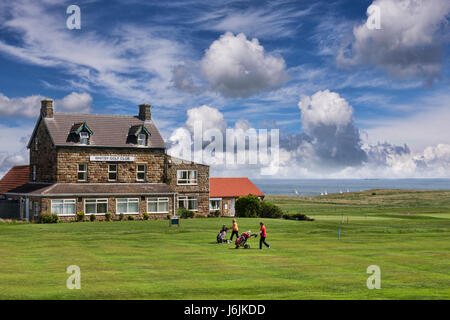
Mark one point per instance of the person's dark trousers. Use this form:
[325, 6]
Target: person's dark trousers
[261, 241]
[234, 233]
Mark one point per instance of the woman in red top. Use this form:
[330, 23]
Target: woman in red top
[263, 235]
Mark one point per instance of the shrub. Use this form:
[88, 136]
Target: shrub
[298, 216]
[121, 217]
[185, 213]
[248, 206]
[146, 216]
[108, 216]
[92, 217]
[270, 210]
[80, 216]
[130, 218]
[49, 218]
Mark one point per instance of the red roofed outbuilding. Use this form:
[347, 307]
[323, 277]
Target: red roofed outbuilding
[223, 193]
[15, 177]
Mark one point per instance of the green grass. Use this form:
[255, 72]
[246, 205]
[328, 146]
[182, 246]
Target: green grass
[149, 260]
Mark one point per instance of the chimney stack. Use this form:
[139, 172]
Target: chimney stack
[47, 108]
[144, 112]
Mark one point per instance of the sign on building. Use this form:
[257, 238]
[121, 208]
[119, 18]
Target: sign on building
[112, 158]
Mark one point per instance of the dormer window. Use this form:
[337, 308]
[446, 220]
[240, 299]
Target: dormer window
[142, 140]
[84, 138]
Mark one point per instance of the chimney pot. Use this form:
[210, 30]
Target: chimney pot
[144, 112]
[47, 108]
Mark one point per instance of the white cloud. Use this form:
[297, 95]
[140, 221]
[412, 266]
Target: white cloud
[29, 107]
[407, 45]
[237, 67]
[211, 118]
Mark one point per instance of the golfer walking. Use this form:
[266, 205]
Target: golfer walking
[263, 235]
[235, 230]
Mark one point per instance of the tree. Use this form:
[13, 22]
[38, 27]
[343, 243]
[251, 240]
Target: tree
[248, 206]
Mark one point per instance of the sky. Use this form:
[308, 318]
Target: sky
[349, 100]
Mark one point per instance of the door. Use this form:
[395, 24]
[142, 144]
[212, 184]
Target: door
[232, 207]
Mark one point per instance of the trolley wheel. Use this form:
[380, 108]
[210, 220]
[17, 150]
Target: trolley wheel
[246, 246]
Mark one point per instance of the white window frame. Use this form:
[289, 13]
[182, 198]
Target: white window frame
[186, 199]
[158, 201]
[215, 199]
[85, 172]
[84, 136]
[144, 172]
[64, 201]
[142, 140]
[187, 181]
[34, 173]
[116, 171]
[97, 201]
[128, 200]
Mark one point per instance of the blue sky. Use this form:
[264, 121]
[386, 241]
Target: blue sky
[180, 55]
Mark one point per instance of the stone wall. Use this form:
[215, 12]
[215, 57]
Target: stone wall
[69, 158]
[200, 190]
[45, 158]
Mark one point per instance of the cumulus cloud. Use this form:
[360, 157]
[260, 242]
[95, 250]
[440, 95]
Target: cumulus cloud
[29, 107]
[328, 120]
[329, 147]
[237, 67]
[408, 44]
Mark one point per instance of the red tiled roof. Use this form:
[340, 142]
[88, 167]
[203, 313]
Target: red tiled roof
[232, 187]
[16, 177]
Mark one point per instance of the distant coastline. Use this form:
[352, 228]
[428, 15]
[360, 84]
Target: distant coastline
[314, 187]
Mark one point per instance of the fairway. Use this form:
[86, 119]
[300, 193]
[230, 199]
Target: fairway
[149, 260]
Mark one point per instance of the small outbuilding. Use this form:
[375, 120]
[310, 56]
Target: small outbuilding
[223, 193]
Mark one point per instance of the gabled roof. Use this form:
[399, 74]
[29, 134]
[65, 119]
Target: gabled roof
[16, 177]
[109, 130]
[232, 187]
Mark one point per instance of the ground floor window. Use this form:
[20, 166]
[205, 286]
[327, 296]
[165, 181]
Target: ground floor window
[215, 204]
[188, 202]
[64, 207]
[158, 205]
[128, 206]
[95, 206]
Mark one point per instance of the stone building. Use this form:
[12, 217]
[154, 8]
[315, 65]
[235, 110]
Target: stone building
[106, 163]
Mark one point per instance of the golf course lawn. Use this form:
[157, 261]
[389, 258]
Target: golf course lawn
[150, 260]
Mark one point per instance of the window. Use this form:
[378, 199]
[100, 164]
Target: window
[140, 176]
[188, 202]
[112, 172]
[95, 206]
[158, 205]
[34, 173]
[127, 206]
[188, 177]
[36, 144]
[64, 207]
[35, 208]
[142, 140]
[215, 204]
[84, 138]
[82, 172]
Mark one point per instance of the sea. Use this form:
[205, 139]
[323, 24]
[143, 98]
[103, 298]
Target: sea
[314, 187]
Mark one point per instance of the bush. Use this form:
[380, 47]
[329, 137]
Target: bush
[130, 218]
[185, 213]
[248, 206]
[146, 216]
[121, 217]
[108, 216]
[92, 217]
[49, 218]
[270, 210]
[297, 216]
[80, 216]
